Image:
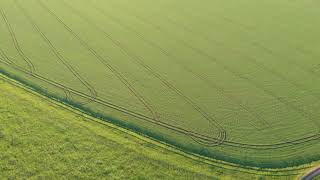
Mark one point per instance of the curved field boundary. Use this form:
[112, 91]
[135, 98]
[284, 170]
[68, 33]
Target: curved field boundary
[213, 59]
[195, 135]
[230, 143]
[115, 107]
[172, 57]
[251, 59]
[200, 159]
[176, 129]
[302, 112]
[138, 60]
[221, 131]
[311, 175]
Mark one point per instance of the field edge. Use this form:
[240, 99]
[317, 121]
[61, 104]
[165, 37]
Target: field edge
[151, 137]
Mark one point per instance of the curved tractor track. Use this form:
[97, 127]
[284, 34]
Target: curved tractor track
[194, 135]
[109, 105]
[16, 43]
[210, 58]
[165, 82]
[29, 63]
[215, 60]
[200, 138]
[173, 58]
[59, 57]
[221, 131]
[108, 65]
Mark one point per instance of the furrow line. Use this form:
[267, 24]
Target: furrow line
[58, 55]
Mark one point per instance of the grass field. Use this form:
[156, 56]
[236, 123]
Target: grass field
[41, 139]
[230, 80]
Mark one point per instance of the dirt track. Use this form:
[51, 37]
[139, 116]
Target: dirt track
[312, 174]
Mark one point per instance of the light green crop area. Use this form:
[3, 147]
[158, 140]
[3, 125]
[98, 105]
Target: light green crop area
[232, 80]
[41, 139]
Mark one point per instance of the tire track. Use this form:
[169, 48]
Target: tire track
[165, 125]
[307, 139]
[265, 49]
[133, 91]
[149, 70]
[59, 56]
[177, 129]
[239, 75]
[4, 58]
[189, 155]
[16, 43]
[29, 63]
[264, 122]
[302, 113]
[112, 106]
[172, 57]
[251, 59]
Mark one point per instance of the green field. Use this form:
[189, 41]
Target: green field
[42, 139]
[230, 80]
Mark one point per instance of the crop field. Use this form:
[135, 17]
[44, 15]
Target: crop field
[232, 80]
[44, 139]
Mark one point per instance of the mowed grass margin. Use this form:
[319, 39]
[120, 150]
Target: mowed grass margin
[201, 165]
[203, 153]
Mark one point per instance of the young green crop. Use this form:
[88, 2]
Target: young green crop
[231, 80]
[40, 138]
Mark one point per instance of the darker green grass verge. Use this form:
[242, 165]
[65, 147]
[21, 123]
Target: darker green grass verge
[155, 136]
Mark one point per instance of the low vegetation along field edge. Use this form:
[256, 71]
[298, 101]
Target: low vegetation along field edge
[151, 137]
[42, 133]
